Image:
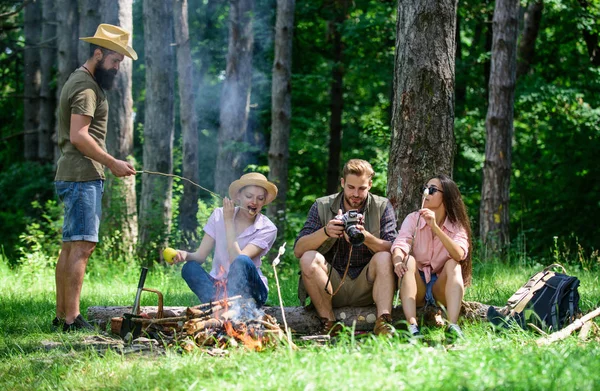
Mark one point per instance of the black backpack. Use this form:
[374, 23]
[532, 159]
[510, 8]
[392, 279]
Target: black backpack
[548, 300]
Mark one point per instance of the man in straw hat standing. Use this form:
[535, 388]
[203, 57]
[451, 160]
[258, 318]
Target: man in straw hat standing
[240, 236]
[79, 181]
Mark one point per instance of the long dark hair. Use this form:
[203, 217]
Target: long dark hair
[456, 211]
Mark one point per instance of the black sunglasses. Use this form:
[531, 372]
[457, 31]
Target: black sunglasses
[432, 189]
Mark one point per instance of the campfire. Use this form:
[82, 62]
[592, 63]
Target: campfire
[230, 322]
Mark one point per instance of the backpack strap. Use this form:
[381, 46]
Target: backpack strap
[554, 306]
[520, 305]
[550, 267]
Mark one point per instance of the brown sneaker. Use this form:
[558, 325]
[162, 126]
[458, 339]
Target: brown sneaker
[383, 325]
[330, 327]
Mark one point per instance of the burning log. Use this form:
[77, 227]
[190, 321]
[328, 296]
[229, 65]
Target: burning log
[194, 325]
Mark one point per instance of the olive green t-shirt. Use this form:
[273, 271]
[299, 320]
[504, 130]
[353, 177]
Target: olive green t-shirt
[81, 95]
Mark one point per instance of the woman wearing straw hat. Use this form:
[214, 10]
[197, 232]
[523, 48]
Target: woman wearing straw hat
[240, 236]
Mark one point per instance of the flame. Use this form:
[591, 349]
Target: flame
[249, 342]
[221, 289]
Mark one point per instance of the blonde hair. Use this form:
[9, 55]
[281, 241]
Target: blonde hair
[358, 167]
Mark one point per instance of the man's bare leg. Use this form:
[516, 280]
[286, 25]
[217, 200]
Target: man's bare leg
[71, 281]
[381, 272]
[59, 278]
[314, 277]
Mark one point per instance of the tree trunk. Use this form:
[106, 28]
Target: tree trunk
[208, 121]
[67, 35]
[235, 97]
[188, 207]
[119, 212]
[495, 193]
[337, 98]
[32, 79]
[487, 49]
[47, 90]
[460, 92]
[304, 321]
[423, 116]
[89, 19]
[592, 40]
[533, 16]
[155, 205]
[281, 110]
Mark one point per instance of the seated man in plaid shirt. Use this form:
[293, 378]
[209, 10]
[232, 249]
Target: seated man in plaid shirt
[334, 272]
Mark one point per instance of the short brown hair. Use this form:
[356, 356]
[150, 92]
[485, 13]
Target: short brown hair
[358, 167]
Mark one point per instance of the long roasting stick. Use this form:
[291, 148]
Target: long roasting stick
[253, 212]
[287, 330]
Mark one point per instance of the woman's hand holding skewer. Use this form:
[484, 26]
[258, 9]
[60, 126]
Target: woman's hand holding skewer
[429, 216]
[400, 267]
[228, 209]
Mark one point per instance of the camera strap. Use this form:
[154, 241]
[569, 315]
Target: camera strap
[331, 270]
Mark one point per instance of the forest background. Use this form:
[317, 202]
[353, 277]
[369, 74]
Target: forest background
[342, 91]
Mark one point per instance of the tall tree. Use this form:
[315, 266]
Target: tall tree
[188, 207]
[67, 34]
[531, 27]
[337, 96]
[235, 97]
[31, 79]
[119, 201]
[89, 19]
[423, 115]
[495, 192]
[47, 88]
[155, 205]
[281, 110]
[591, 38]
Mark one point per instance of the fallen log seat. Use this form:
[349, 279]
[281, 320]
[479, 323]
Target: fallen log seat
[305, 321]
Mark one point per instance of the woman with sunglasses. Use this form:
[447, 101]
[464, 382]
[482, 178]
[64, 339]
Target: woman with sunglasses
[432, 254]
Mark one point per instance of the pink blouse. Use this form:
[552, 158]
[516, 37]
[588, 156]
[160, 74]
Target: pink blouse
[428, 249]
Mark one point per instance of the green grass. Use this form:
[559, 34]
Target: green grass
[486, 360]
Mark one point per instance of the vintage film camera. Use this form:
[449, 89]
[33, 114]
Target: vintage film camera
[350, 219]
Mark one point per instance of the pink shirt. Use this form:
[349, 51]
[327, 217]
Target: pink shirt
[262, 234]
[428, 250]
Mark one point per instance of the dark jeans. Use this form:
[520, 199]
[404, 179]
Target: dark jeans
[243, 279]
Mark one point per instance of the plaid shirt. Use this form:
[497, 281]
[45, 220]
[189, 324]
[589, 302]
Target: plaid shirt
[361, 255]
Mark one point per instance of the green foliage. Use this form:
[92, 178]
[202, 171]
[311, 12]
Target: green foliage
[24, 187]
[367, 91]
[555, 169]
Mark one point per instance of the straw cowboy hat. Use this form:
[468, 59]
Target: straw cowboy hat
[254, 179]
[113, 38]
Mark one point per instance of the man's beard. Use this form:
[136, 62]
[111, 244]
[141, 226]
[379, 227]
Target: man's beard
[352, 203]
[105, 77]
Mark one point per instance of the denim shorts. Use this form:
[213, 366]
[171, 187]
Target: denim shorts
[429, 299]
[83, 209]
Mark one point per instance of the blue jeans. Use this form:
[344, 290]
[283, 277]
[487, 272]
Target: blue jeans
[83, 209]
[243, 279]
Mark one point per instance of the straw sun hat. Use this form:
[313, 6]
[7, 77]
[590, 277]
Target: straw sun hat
[113, 38]
[254, 179]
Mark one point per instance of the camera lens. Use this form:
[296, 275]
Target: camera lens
[354, 235]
